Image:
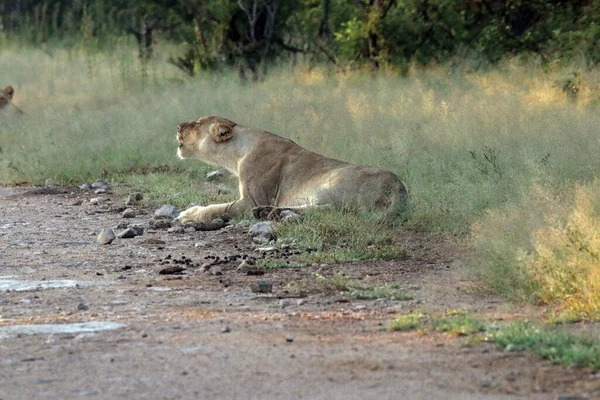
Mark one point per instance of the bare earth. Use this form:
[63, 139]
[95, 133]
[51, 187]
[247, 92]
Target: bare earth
[199, 335]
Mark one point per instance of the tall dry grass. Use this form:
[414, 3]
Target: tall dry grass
[545, 249]
[462, 142]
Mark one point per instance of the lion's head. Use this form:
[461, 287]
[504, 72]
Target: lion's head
[192, 136]
[6, 95]
[9, 91]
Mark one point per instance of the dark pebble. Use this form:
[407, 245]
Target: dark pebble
[262, 287]
[171, 270]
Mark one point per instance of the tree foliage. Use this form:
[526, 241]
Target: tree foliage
[251, 34]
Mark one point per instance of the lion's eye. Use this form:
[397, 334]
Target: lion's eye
[180, 145]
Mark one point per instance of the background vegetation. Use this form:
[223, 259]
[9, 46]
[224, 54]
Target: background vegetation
[249, 34]
[487, 110]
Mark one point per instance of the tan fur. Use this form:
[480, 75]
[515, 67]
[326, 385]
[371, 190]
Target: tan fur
[274, 171]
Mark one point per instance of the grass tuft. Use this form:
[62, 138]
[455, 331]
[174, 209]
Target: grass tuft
[332, 236]
[459, 324]
[558, 346]
[343, 283]
[405, 322]
[267, 263]
[392, 292]
[179, 188]
[551, 343]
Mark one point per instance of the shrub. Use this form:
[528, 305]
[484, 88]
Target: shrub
[545, 249]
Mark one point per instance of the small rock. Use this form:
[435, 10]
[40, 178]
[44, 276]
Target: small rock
[486, 383]
[134, 198]
[243, 223]
[128, 213]
[159, 224]
[213, 225]
[260, 240]
[122, 225]
[200, 245]
[269, 249]
[287, 215]
[217, 174]
[283, 303]
[127, 233]
[174, 270]
[255, 272]
[100, 191]
[176, 229]
[98, 200]
[262, 287]
[77, 202]
[106, 236]
[189, 230]
[216, 271]
[85, 186]
[166, 211]
[226, 330]
[50, 182]
[82, 307]
[100, 184]
[300, 302]
[289, 339]
[138, 230]
[262, 229]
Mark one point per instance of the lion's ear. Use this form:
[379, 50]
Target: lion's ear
[221, 132]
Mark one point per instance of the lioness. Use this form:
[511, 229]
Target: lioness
[275, 173]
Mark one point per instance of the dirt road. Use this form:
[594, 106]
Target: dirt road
[82, 320]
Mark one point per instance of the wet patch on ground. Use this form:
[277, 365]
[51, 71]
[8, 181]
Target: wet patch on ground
[53, 329]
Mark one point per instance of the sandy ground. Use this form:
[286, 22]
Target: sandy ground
[202, 335]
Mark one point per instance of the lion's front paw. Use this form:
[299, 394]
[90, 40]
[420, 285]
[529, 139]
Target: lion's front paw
[192, 214]
[262, 212]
